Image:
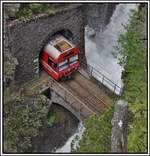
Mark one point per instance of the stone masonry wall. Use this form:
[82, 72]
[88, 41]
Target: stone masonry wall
[98, 15]
[74, 108]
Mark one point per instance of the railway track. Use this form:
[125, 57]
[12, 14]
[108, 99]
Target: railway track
[83, 99]
[80, 89]
[92, 90]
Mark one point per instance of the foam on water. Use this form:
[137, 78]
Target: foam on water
[67, 147]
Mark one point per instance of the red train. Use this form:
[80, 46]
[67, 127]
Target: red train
[60, 58]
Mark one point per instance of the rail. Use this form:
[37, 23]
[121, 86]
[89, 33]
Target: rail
[104, 79]
[68, 97]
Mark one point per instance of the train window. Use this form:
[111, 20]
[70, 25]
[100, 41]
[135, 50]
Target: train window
[63, 65]
[49, 61]
[73, 59]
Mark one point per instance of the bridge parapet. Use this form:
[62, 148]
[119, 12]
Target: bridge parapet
[62, 96]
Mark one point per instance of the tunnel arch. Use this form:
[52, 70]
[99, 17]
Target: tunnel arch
[64, 32]
[67, 109]
[51, 94]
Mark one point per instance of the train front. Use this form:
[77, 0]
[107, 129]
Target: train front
[60, 58]
[68, 62]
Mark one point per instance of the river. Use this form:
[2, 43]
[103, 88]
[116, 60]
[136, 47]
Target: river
[52, 137]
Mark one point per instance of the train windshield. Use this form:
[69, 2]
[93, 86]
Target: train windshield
[63, 65]
[73, 59]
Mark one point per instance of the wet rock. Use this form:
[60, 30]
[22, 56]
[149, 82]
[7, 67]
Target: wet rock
[52, 137]
[119, 130]
[98, 15]
[90, 32]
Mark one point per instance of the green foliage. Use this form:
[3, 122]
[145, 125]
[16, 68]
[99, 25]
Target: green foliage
[133, 52]
[97, 135]
[53, 117]
[8, 96]
[28, 9]
[22, 119]
[10, 63]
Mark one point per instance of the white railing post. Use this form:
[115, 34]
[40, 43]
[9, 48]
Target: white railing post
[115, 88]
[103, 79]
[91, 71]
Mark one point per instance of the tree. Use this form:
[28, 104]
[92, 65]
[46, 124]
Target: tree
[23, 116]
[97, 135]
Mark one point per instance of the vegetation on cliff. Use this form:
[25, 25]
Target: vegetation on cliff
[97, 135]
[27, 10]
[10, 63]
[134, 60]
[23, 118]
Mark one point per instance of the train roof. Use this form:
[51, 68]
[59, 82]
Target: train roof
[58, 45]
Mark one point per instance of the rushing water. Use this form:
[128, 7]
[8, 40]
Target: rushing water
[74, 138]
[100, 47]
[54, 136]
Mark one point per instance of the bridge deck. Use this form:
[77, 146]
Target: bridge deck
[84, 92]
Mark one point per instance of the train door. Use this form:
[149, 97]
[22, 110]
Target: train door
[53, 68]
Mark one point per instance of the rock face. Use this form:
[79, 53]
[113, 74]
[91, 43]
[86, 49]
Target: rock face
[26, 38]
[98, 15]
[119, 130]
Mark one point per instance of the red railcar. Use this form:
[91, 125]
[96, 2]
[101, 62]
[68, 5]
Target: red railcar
[60, 58]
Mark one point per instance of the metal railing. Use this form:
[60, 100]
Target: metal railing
[104, 80]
